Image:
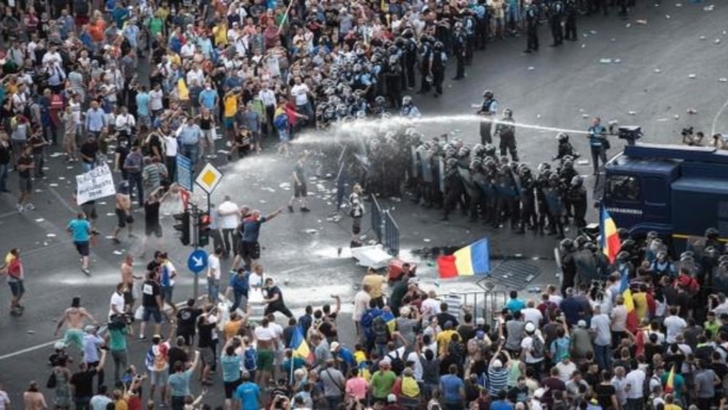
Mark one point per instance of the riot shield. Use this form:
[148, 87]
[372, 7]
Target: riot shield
[426, 166]
[586, 266]
[441, 169]
[415, 163]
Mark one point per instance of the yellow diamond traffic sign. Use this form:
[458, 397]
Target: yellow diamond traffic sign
[209, 178]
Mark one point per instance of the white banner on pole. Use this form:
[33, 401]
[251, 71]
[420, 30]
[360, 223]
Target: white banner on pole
[95, 184]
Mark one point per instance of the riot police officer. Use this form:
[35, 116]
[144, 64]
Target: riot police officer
[488, 110]
[410, 57]
[393, 76]
[557, 16]
[453, 190]
[426, 55]
[568, 264]
[553, 193]
[528, 199]
[570, 26]
[409, 110]
[459, 50]
[506, 129]
[531, 27]
[578, 200]
[437, 66]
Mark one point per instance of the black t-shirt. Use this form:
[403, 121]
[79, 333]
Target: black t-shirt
[150, 291]
[5, 154]
[123, 151]
[176, 354]
[151, 213]
[327, 329]
[444, 317]
[604, 394]
[35, 142]
[84, 383]
[204, 333]
[24, 160]
[275, 291]
[90, 149]
[186, 319]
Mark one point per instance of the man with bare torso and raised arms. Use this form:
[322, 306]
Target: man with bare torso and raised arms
[128, 278]
[123, 211]
[267, 345]
[74, 318]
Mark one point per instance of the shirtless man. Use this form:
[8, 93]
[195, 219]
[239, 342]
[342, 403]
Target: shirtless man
[74, 318]
[267, 345]
[128, 277]
[123, 211]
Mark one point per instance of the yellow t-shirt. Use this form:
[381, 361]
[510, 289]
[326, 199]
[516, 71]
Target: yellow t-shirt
[221, 35]
[672, 407]
[9, 258]
[231, 105]
[231, 329]
[443, 340]
[375, 283]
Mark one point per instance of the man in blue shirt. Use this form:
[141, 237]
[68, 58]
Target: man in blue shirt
[179, 382]
[248, 394]
[144, 116]
[240, 286]
[598, 143]
[250, 249]
[189, 140]
[95, 119]
[515, 304]
[501, 403]
[80, 230]
[452, 388]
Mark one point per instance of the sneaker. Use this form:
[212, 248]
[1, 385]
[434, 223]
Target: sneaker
[290, 208]
[86, 272]
[30, 206]
[20, 207]
[116, 241]
[304, 209]
[142, 338]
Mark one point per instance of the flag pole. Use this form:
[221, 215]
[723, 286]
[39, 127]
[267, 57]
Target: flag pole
[285, 16]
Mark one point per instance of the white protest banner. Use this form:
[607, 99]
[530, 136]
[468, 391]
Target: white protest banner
[95, 184]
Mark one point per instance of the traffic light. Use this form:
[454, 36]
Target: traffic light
[182, 225]
[203, 229]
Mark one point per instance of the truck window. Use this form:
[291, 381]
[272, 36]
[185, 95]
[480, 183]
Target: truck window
[623, 188]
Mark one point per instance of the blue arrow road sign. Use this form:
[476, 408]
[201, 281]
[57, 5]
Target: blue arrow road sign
[197, 261]
[184, 172]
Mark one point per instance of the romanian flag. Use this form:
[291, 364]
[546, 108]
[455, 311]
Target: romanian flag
[300, 347]
[390, 320]
[670, 385]
[610, 237]
[473, 259]
[182, 91]
[632, 322]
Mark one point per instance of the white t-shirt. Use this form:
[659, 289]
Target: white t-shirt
[264, 334]
[300, 92]
[231, 219]
[213, 267]
[170, 146]
[532, 315]
[118, 301]
[4, 400]
[155, 99]
[527, 343]
[361, 303]
[565, 370]
[430, 307]
[636, 381]
[674, 325]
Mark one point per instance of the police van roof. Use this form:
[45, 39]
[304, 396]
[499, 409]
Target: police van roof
[676, 152]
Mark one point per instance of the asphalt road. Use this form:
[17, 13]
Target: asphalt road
[556, 87]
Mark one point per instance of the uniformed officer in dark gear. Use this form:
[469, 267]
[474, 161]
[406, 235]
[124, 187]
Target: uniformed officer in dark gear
[568, 264]
[553, 194]
[410, 56]
[459, 50]
[477, 198]
[556, 15]
[506, 129]
[565, 148]
[528, 199]
[426, 54]
[508, 193]
[437, 67]
[453, 188]
[531, 27]
[570, 26]
[577, 198]
[393, 77]
[470, 26]
[488, 110]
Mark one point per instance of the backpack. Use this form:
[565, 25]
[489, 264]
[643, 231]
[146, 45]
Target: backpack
[379, 328]
[537, 347]
[250, 359]
[397, 363]
[280, 122]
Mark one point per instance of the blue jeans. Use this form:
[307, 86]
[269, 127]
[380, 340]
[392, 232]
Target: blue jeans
[3, 177]
[191, 151]
[601, 355]
[333, 402]
[87, 166]
[213, 289]
[241, 299]
[136, 181]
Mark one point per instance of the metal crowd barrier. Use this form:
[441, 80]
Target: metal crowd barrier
[385, 228]
[376, 219]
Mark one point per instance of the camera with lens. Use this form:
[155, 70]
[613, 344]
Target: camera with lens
[118, 322]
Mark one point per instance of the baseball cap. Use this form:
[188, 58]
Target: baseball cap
[480, 321]
[581, 323]
[59, 346]
[497, 363]
[480, 334]
[530, 327]
[89, 328]
[334, 346]
[391, 398]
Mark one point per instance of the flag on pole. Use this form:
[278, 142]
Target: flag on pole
[473, 259]
[300, 347]
[670, 385]
[610, 237]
